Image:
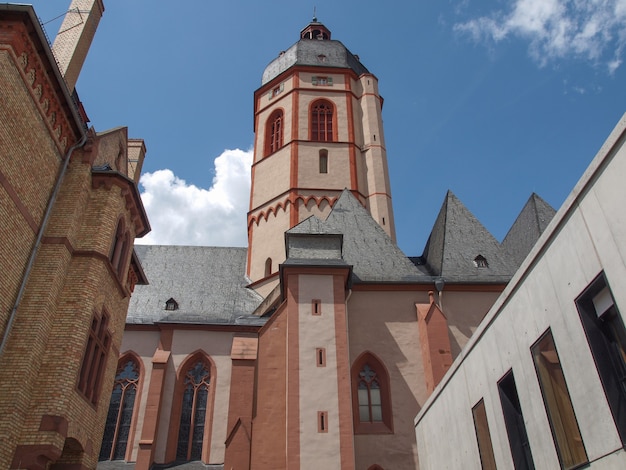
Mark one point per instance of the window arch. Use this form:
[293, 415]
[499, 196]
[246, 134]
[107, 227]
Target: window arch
[371, 397]
[117, 430]
[192, 410]
[268, 267]
[274, 132]
[322, 116]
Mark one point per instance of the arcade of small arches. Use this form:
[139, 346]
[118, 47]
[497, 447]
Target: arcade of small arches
[282, 205]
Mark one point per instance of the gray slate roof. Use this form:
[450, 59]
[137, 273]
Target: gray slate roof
[366, 246]
[529, 225]
[456, 240]
[309, 52]
[208, 283]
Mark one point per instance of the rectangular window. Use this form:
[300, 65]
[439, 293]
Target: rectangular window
[316, 307]
[483, 436]
[323, 162]
[514, 421]
[569, 444]
[606, 335]
[94, 359]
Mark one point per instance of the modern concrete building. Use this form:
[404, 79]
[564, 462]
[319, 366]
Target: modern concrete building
[541, 382]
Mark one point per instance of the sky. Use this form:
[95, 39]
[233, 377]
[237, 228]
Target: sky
[492, 100]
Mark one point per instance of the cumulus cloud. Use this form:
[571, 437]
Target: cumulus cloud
[593, 30]
[184, 214]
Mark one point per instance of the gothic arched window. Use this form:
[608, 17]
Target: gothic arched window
[371, 396]
[121, 406]
[274, 132]
[322, 121]
[195, 397]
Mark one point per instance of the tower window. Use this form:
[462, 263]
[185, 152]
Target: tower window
[322, 121]
[274, 132]
[323, 161]
[268, 267]
[321, 81]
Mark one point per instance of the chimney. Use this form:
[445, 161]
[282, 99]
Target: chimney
[74, 38]
[136, 154]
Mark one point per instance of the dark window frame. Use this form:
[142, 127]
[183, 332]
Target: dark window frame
[514, 422]
[603, 337]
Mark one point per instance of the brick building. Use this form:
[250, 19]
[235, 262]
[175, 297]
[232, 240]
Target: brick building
[69, 213]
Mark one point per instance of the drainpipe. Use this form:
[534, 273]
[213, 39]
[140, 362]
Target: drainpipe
[42, 229]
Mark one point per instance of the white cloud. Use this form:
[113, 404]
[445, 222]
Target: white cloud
[184, 214]
[593, 30]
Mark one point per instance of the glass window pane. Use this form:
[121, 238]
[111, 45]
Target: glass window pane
[558, 404]
[377, 413]
[364, 413]
[375, 396]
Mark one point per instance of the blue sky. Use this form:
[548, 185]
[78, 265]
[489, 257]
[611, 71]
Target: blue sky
[490, 99]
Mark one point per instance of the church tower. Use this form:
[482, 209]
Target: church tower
[318, 130]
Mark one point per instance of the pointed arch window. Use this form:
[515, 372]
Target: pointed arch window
[268, 267]
[119, 418]
[322, 116]
[371, 396]
[274, 132]
[195, 397]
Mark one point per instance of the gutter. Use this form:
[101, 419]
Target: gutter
[42, 229]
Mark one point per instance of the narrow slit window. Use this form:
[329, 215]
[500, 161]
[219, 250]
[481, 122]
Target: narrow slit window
[323, 161]
[316, 307]
[320, 357]
[322, 421]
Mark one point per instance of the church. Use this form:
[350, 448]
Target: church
[313, 347]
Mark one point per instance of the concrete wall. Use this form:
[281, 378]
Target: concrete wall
[586, 237]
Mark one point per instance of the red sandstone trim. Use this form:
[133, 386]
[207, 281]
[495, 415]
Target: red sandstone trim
[346, 440]
[145, 455]
[293, 371]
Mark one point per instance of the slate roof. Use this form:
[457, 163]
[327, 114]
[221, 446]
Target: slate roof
[375, 257]
[313, 52]
[529, 225]
[456, 240]
[207, 283]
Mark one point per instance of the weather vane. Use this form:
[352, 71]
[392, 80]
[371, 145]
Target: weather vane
[314, 14]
